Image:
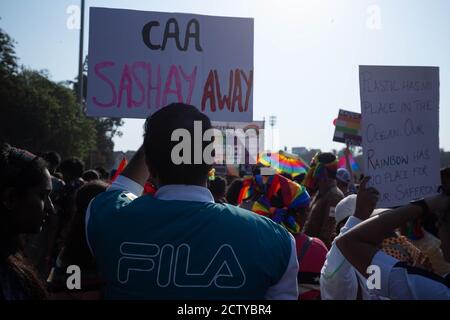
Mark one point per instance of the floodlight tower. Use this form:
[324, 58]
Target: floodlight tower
[272, 123]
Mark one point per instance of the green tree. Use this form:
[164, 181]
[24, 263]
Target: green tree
[8, 59]
[38, 114]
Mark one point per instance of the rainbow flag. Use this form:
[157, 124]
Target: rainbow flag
[293, 196]
[343, 163]
[284, 162]
[246, 190]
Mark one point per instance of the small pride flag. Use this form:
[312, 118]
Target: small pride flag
[348, 128]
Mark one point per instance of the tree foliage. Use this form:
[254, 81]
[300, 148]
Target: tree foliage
[39, 115]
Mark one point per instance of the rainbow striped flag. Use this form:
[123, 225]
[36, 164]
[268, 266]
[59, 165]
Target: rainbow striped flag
[343, 163]
[284, 162]
[293, 196]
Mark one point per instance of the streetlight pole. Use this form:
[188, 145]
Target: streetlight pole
[272, 123]
[80, 57]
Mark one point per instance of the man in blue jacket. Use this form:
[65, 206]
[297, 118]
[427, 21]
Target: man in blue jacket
[179, 244]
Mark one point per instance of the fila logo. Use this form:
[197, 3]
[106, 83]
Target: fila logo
[172, 266]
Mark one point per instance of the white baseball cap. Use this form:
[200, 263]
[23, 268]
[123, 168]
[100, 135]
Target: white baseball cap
[345, 208]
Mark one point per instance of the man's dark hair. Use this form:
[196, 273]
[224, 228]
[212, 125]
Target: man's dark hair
[53, 158]
[218, 187]
[104, 175]
[233, 191]
[158, 145]
[71, 168]
[90, 175]
[20, 169]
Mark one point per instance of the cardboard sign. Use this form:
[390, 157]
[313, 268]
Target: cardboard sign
[400, 126]
[242, 142]
[141, 61]
[348, 128]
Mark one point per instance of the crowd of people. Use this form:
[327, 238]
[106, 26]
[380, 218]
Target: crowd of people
[159, 230]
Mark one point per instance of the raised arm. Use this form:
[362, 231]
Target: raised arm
[136, 169]
[360, 244]
[348, 164]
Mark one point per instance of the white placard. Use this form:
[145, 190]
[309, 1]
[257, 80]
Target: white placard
[141, 61]
[242, 142]
[400, 131]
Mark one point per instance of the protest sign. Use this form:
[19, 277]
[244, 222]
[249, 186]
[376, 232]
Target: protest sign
[348, 128]
[240, 142]
[237, 146]
[400, 130]
[141, 61]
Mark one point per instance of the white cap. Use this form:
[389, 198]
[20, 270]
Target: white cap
[345, 208]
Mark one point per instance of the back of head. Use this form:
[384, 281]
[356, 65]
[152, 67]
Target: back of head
[327, 159]
[53, 159]
[218, 187]
[90, 175]
[103, 173]
[86, 193]
[322, 168]
[71, 169]
[233, 191]
[177, 120]
[19, 168]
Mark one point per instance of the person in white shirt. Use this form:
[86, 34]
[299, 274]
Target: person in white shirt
[395, 279]
[339, 280]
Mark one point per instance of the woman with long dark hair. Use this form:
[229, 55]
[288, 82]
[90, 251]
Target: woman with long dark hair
[25, 185]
